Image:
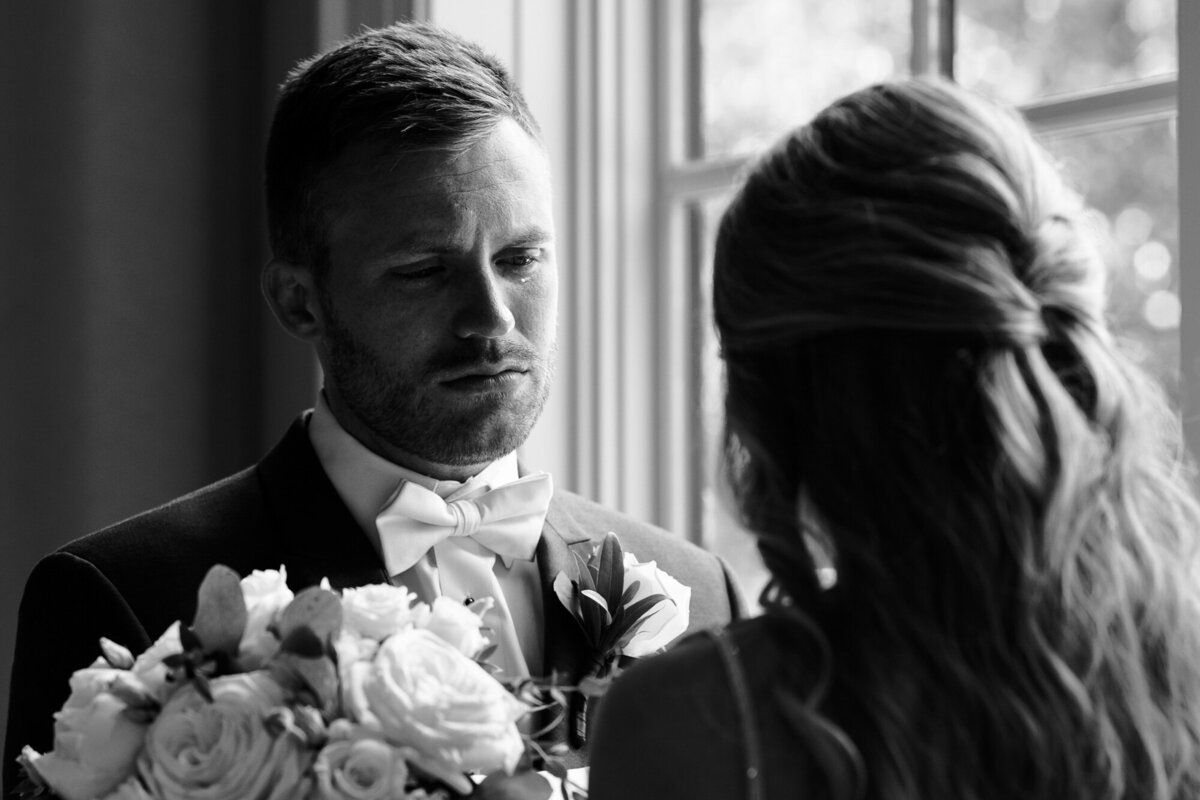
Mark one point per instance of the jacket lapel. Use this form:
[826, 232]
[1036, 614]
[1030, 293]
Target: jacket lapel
[313, 528]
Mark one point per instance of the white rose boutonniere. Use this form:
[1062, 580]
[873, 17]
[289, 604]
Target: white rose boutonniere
[666, 621]
[627, 609]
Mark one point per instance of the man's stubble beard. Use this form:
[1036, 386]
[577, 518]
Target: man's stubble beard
[395, 410]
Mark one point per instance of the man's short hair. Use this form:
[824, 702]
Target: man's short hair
[410, 85]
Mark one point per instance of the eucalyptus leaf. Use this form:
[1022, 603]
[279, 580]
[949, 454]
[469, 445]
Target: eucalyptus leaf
[304, 642]
[301, 676]
[188, 641]
[319, 610]
[220, 611]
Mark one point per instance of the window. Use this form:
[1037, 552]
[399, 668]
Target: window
[1097, 80]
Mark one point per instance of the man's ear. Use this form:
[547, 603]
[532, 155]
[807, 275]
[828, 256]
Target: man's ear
[291, 292]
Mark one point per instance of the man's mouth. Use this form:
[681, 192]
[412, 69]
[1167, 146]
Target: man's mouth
[485, 377]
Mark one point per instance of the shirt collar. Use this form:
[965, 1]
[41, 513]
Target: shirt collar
[366, 481]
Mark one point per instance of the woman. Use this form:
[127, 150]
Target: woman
[921, 390]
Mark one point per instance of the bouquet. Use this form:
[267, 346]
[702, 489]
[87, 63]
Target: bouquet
[365, 694]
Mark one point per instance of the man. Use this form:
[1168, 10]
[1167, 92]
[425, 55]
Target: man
[410, 213]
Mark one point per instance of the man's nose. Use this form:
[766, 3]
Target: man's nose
[484, 310]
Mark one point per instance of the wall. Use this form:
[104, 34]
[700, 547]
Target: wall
[139, 361]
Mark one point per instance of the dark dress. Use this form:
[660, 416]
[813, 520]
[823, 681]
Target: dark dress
[704, 720]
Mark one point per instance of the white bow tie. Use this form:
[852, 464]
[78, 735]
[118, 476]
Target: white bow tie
[506, 520]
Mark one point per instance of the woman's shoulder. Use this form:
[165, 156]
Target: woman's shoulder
[670, 725]
[697, 665]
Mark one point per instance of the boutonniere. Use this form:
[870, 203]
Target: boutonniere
[627, 609]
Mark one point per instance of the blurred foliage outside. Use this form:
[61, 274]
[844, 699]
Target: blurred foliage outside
[756, 87]
[1030, 50]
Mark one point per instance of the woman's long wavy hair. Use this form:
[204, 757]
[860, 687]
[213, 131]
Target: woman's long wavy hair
[920, 382]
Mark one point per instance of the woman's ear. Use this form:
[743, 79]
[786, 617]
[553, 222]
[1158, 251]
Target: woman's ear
[290, 290]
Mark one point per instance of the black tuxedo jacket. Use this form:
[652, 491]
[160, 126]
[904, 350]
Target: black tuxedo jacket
[129, 582]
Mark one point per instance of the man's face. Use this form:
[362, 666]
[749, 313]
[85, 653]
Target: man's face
[440, 299]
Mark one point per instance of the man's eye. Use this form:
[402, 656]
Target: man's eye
[417, 272]
[519, 262]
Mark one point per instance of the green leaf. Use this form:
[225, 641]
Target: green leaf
[595, 616]
[585, 574]
[632, 616]
[319, 610]
[188, 641]
[630, 592]
[610, 580]
[220, 611]
[201, 684]
[313, 679]
[597, 599]
[304, 642]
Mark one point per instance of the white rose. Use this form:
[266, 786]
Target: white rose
[148, 667]
[664, 622]
[352, 648]
[222, 749]
[458, 624]
[353, 765]
[379, 610]
[266, 594]
[421, 692]
[95, 744]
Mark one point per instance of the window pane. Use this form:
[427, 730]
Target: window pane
[1129, 176]
[769, 65]
[719, 529]
[1024, 50]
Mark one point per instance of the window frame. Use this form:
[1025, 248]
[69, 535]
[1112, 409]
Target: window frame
[686, 179]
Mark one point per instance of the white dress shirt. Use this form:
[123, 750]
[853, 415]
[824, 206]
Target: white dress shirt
[366, 481]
